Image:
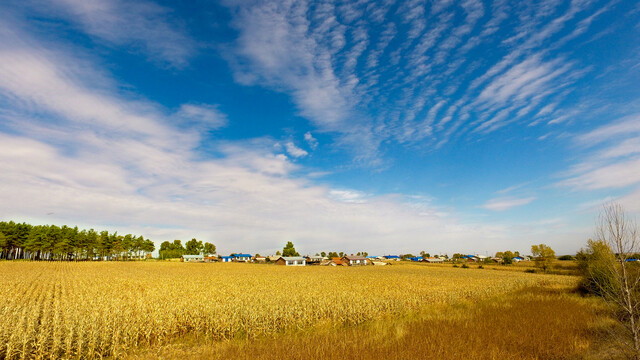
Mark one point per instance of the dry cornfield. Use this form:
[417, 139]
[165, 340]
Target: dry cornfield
[92, 310]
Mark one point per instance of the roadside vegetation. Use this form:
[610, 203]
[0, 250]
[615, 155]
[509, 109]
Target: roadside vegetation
[610, 266]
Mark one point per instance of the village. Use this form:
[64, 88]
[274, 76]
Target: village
[345, 260]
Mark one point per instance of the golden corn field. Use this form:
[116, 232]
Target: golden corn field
[91, 310]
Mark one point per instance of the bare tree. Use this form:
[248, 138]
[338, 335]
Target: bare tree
[617, 279]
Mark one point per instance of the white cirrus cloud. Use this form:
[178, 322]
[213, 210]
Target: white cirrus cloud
[73, 147]
[203, 115]
[141, 26]
[502, 204]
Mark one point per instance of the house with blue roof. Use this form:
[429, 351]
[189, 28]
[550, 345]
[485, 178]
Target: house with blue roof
[225, 258]
[392, 257]
[416, 258]
[517, 259]
[241, 257]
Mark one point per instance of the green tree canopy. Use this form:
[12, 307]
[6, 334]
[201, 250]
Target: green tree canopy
[194, 247]
[289, 250]
[209, 248]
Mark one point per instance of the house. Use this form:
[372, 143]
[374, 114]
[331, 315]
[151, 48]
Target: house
[392, 257]
[210, 259]
[192, 258]
[314, 260]
[416, 258]
[433, 260]
[354, 260]
[273, 258]
[241, 257]
[225, 258]
[337, 261]
[470, 258]
[261, 259]
[517, 259]
[291, 261]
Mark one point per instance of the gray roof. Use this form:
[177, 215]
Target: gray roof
[193, 256]
[353, 257]
[292, 258]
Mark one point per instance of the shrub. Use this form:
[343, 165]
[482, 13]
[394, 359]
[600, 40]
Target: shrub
[566, 257]
[530, 271]
[465, 266]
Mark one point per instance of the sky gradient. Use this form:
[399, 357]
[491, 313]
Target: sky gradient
[378, 126]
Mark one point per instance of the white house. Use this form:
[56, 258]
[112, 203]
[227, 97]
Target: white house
[291, 261]
[241, 257]
[192, 258]
[354, 260]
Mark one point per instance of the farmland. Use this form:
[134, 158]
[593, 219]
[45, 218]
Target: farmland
[91, 310]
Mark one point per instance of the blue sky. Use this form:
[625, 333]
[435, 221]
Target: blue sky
[376, 126]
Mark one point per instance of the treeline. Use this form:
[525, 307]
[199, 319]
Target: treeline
[172, 250]
[51, 242]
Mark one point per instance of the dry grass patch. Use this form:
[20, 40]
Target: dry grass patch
[535, 323]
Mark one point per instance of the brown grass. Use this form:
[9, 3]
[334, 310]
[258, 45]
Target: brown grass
[536, 323]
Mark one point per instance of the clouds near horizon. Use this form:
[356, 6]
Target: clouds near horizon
[357, 126]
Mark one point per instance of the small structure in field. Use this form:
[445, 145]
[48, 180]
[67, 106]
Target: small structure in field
[241, 257]
[273, 258]
[354, 260]
[261, 259]
[433, 260]
[517, 259]
[291, 261]
[192, 258]
[314, 260]
[210, 259]
[378, 263]
[225, 258]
